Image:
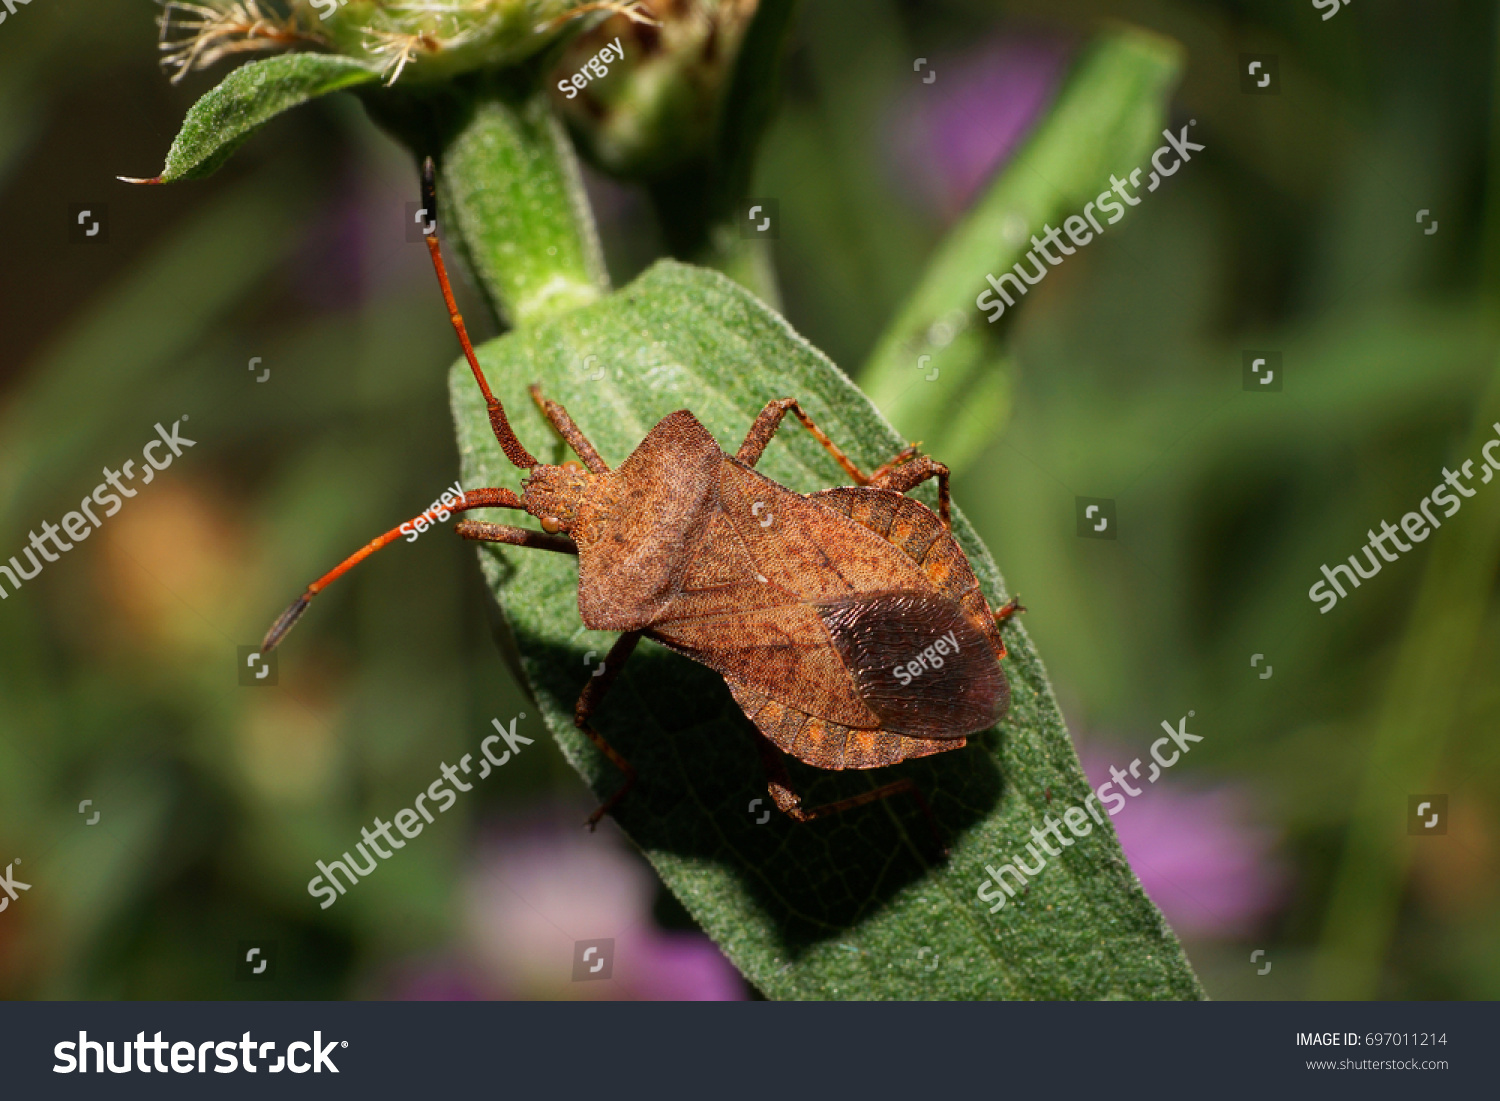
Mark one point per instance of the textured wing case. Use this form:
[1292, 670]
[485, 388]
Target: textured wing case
[850, 645]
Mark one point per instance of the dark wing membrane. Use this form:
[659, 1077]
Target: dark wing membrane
[918, 663]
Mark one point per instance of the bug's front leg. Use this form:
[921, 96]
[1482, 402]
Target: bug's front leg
[569, 431]
[481, 531]
[588, 702]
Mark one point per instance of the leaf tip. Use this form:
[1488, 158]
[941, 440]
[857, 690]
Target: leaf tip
[134, 180]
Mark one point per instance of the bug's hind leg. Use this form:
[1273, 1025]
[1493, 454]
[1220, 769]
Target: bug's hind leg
[569, 431]
[909, 470]
[789, 801]
[588, 701]
[1010, 608]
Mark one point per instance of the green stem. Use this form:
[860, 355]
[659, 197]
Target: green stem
[1106, 119]
[1416, 719]
[510, 193]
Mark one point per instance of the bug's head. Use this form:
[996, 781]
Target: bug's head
[553, 494]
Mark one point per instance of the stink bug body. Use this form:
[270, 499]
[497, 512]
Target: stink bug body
[847, 623]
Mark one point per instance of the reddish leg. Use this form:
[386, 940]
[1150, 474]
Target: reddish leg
[906, 475]
[770, 419]
[789, 802]
[1012, 606]
[907, 452]
[588, 702]
[906, 470]
[482, 532]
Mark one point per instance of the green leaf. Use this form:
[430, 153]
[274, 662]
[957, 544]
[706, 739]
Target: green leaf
[1106, 119]
[248, 98]
[841, 907]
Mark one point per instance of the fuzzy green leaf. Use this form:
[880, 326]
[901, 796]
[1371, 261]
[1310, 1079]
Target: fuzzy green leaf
[857, 906]
[248, 98]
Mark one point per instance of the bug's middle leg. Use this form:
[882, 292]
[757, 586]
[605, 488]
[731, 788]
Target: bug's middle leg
[906, 470]
[588, 702]
[789, 801]
[769, 420]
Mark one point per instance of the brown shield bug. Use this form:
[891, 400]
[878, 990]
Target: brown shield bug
[847, 623]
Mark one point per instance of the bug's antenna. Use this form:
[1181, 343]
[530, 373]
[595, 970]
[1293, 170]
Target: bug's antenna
[514, 451]
[472, 498]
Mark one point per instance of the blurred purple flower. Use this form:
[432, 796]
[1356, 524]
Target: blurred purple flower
[328, 273]
[1197, 852]
[951, 135]
[444, 981]
[538, 887]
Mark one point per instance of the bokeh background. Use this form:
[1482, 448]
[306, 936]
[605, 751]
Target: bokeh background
[1285, 831]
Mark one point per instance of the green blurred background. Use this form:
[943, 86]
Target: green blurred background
[1286, 829]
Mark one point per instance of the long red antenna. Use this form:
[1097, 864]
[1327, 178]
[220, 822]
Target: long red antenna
[473, 498]
[512, 446]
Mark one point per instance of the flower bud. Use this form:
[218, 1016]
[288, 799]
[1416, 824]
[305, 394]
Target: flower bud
[429, 40]
[656, 108]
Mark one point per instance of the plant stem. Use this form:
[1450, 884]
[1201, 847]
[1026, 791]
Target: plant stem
[1105, 119]
[1411, 734]
[512, 189]
[510, 193]
[699, 205]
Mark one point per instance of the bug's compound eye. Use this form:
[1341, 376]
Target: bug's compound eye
[551, 525]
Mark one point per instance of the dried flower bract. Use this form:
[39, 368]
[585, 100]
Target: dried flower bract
[195, 36]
